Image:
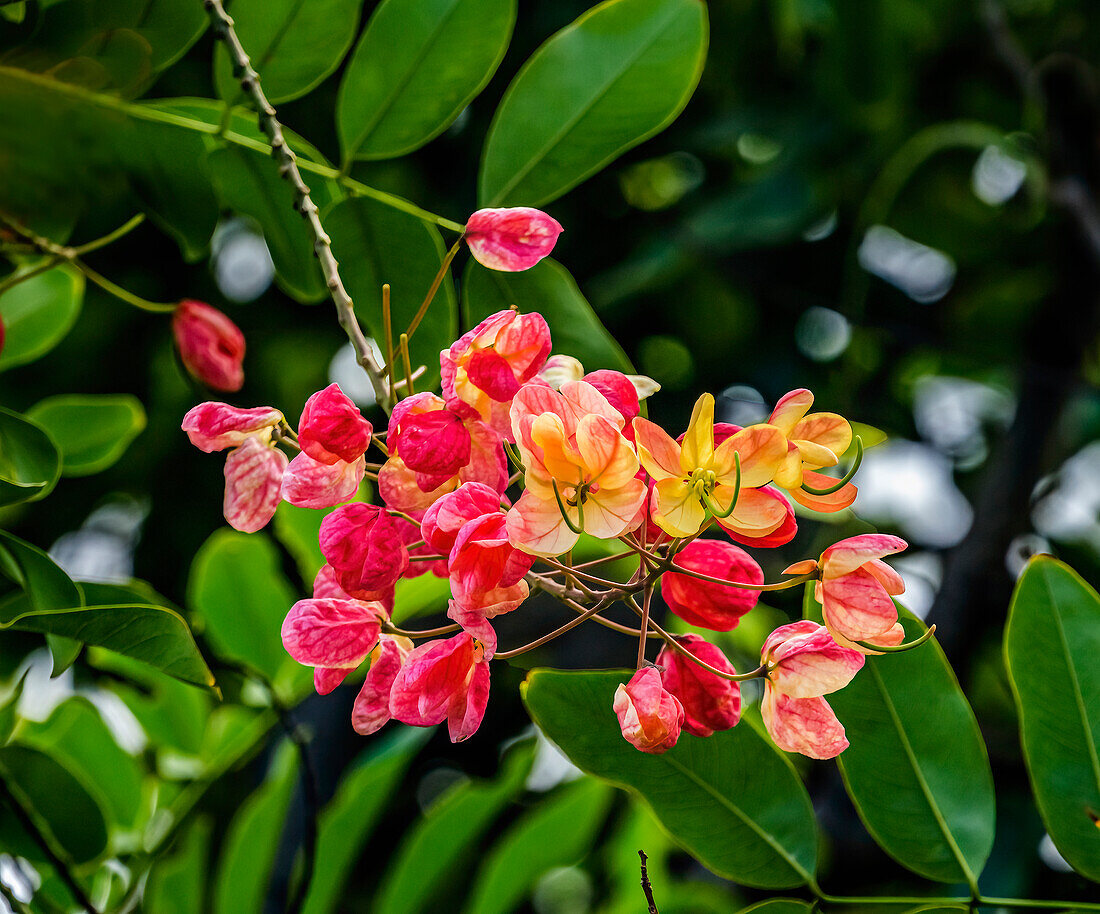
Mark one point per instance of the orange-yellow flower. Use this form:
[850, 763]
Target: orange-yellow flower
[814, 441]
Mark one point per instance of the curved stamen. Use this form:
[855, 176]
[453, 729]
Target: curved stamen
[845, 479]
[712, 505]
[565, 514]
[898, 648]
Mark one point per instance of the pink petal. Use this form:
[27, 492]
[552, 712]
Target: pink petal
[330, 633]
[851, 553]
[804, 725]
[781, 535]
[650, 717]
[710, 702]
[331, 427]
[215, 426]
[434, 443]
[364, 547]
[856, 606]
[253, 480]
[467, 710]
[537, 527]
[708, 605]
[371, 710]
[445, 518]
[511, 239]
[326, 679]
[308, 483]
[618, 390]
[805, 661]
[398, 486]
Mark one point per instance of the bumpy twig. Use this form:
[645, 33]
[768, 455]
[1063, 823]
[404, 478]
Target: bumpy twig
[288, 169]
[646, 887]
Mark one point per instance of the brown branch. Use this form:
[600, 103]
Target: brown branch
[288, 169]
[646, 887]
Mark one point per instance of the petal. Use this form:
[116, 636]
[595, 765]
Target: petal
[525, 343]
[789, 473]
[857, 606]
[330, 633]
[308, 483]
[609, 513]
[253, 482]
[718, 607]
[761, 448]
[804, 725]
[371, 710]
[537, 527]
[790, 409]
[215, 426]
[710, 702]
[849, 554]
[890, 580]
[657, 451]
[399, 489]
[826, 430]
[326, 679]
[827, 504]
[698, 446]
[431, 676]
[511, 239]
[756, 514]
[677, 511]
[606, 456]
[435, 442]
[582, 399]
[813, 665]
[467, 710]
[331, 427]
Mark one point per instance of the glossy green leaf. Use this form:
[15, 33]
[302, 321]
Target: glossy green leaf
[58, 803]
[91, 430]
[376, 244]
[238, 588]
[731, 800]
[30, 463]
[9, 708]
[44, 585]
[418, 64]
[297, 529]
[248, 854]
[557, 832]
[549, 289]
[917, 769]
[616, 76]
[349, 819]
[1052, 641]
[63, 652]
[250, 184]
[778, 906]
[435, 849]
[38, 313]
[420, 596]
[292, 44]
[177, 883]
[76, 736]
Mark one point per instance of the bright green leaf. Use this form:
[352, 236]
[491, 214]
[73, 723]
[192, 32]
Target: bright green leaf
[616, 76]
[731, 800]
[549, 289]
[376, 244]
[45, 586]
[297, 529]
[29, 460]
[91, 430]
[177, 883]
[1052, 641]
[292, 44]
[418, 64]
[38, 313]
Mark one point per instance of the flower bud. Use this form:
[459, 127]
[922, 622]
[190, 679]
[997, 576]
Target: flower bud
[709, 605]
[649, 715]
[511, 239]
[710, 702]
[444, 519]
[210, 345]
[364, 547]
[332, 429]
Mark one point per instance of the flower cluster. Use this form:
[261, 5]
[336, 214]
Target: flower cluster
[586, 463]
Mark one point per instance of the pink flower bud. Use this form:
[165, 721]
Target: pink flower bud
[445, 518]
[215, 426]
[708, 605]
[436, 444]
[649, 716]
[332, 633]
[253, 481]
[364, 547]
[308, 483]
[371, 710]
[210, 345]
[511, 239]
[710, 702]
[332, 429]
[443, 680]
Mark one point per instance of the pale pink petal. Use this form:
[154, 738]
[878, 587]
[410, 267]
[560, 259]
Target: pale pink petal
[582, 399]
[371, 710]
[804, 725]
[330, 633]
[849, 554]
[308, 483]
[805, 662]
[511, 239]
[215, 426]
[253, 481]
[609, 513]
[399, 489]
[658, 453]
[761, 448]
[890, 580]
[606, 456]
[650, 716]
[537, 527]
[525, 343]
[857, 606]
[467, 710]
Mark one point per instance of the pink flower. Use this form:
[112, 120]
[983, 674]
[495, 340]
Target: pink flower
[804, 663]
[445, 518]
[333, 635]
[309, 483]
[253, 480]
[364, 547]
[710, 702]
[371, 710]
[443, 680]
[210, 345]
[483, 369]
[855, 590]
[649, 716]
[709, 605]
[215, 426]
[325, 586]
[511, 239]
[331, 428]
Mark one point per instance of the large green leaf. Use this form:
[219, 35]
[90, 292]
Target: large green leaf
[297, 529]
[177, 883]
[433, 852]
[293, 44]
[731, 800]
[557, 832]
[549, 289]
[248, 854]
[92, 430]
[348, 820]
[376, 244]
[917, 768]
[616, 76]
[1052, 642]
[44, 585]
[237, 587]
[38, 313]
[418, 64]
[57, 802]
[29, 460]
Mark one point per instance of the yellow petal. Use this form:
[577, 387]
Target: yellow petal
[698, 447]
[678, 511]
[762, 449]
[790, 409]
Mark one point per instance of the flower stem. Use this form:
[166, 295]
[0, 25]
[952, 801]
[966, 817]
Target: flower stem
[556, 633]
[434, 287]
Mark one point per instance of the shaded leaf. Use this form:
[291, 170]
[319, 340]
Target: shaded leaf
[177, 883]
[38, 313]
[91, 430]
[30, 464]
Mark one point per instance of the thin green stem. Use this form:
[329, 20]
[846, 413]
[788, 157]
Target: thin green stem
[424, 305]
[123, 294]
[16, 278]
[111, 237]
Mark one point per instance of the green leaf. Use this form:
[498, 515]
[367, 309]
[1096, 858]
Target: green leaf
[58, 803]
[557, 832]
[237, 587]
[297, 529]
[616, 76]
[91, 430]
[418, 64]
[9, 708]
[731, 800]
[76, 736]
[917, 769]
[38, 313]
[248, 853]
[778, 906]
[30, 464]
[1052, 641]
[376, 244]
[349, 819]
[177, 883]
[44, 584]
[549, 289]
[435, 848]
[420, 596]
[250, 184]
[293, 45]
